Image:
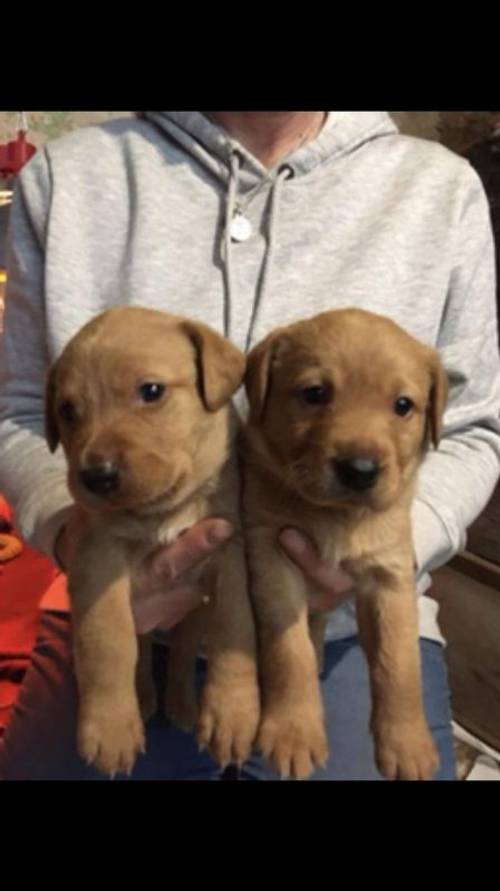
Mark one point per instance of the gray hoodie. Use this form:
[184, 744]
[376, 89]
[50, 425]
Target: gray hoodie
[136, 212]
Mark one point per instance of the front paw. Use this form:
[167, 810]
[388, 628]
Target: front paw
[293, 739]
[110, 735]
[228, 721]
[405, 751]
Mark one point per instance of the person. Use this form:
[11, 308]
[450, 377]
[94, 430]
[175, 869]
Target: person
[245, 221]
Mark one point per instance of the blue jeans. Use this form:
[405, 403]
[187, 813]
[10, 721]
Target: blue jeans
[39, 743]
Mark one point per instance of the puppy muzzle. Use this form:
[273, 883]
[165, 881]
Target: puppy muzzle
[101, 479]
[356, 474]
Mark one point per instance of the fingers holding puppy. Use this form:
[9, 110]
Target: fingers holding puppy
[334, 584]
[170, 563]
[163, 593]
[161, 598]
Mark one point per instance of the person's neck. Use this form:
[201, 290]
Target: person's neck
[270, 135]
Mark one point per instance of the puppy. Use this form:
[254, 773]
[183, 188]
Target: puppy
[140, 402]
[341, 411]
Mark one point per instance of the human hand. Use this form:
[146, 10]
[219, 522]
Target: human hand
[335, 585]
[163, 594]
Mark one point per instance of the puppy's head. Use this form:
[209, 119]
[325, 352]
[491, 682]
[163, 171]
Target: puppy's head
[344, 405]
[135, 400]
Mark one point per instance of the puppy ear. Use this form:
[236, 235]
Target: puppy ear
[51, 426]
[258, 374]
[221, 365]
[437, 398]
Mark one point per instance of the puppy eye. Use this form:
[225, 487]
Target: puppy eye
[151, 392]
[403, 406]
[317, 395]
[67, 411]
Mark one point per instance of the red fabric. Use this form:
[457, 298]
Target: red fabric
[15, 154]
[25, 581]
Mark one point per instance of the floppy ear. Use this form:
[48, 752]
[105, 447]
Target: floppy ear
[221, 365]
[437, 398]
[258, 374]
[51, 427]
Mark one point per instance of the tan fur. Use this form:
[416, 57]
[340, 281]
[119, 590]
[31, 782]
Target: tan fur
[177, 466]
[366, 362]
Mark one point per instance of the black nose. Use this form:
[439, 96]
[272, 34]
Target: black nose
[101, 479]
[357, 473]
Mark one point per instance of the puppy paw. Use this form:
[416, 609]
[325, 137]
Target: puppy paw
[228, 721]
[293, 740]
[110, 736]
[405, 752]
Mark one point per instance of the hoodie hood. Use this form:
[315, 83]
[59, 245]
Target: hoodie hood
[342, 133]
[243, 177]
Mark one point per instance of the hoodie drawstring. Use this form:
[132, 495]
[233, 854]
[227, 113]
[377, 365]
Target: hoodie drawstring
[284, 172]
[232, 192]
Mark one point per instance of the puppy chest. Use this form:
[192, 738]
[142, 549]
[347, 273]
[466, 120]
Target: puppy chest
[354, 544]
